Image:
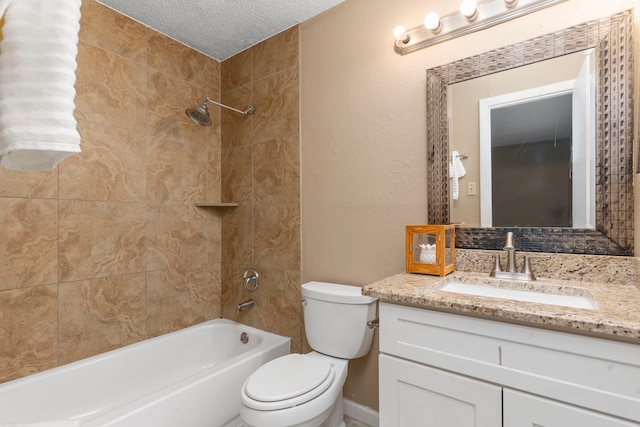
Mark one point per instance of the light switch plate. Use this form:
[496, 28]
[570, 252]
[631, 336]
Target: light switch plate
[472, 189]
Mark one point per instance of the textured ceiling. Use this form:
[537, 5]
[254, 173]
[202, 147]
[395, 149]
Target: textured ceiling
[220, 28]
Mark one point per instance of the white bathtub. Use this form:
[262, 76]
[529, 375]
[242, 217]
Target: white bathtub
[189, 378]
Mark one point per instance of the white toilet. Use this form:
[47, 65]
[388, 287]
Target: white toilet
[305, 390]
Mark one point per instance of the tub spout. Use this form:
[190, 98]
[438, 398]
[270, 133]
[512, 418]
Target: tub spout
[245, 305]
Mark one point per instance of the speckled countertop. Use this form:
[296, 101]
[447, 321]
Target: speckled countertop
[617, 315]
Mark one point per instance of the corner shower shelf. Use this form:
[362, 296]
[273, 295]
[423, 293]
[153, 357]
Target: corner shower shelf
[216, 205]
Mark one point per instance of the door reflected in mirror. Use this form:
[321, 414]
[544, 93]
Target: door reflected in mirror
[529, 134]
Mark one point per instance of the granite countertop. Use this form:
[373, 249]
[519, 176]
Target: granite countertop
[617, 315]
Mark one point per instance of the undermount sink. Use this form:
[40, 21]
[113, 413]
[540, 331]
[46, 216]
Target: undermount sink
[525, 291]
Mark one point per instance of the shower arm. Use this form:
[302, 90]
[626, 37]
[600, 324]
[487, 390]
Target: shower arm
[249, 110]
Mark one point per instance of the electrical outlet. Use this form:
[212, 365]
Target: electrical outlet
[472, 189]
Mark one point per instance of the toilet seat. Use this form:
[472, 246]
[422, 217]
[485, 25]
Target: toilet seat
[287, 381]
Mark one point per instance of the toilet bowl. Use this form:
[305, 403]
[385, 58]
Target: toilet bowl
[305, 390]
[297, 390]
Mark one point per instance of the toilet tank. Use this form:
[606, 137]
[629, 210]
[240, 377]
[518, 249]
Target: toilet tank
[335, 319]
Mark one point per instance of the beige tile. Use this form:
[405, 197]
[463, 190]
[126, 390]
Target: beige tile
[237, 175]
[212, 74]
[112, 31]
[176, 171]
[237, 128]
[176, 236]
[169, 97]
[100, 315]
[110, 89]
[276, 101]
[215, 277]
[28, 248]
[28, 334]
[32, 184]
[236, 71]
[276, 236]
[233, 292]
[111, 166]
[275, 54]
[237, 236]
[99, 239]
[279, 304]
[214, 171]
[182, 297]
[276, 171]
[175, 59]
[277, 308]
[214, 218]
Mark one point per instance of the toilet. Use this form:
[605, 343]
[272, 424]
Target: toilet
[305, 390]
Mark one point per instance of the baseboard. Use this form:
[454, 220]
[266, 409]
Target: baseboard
[361, 413]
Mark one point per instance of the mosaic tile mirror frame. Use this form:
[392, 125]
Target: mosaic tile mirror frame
[613, 235]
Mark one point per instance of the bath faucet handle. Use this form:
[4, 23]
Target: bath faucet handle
[508, 244]
[527, 265]
[251, 279]
[496, 268]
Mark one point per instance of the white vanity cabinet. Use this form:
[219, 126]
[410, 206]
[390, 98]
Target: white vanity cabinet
[445, 370]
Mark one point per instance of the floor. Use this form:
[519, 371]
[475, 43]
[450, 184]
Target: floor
[353, 423]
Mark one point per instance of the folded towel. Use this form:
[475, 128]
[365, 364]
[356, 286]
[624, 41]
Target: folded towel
[456, 171]
[37, 77]
[457, 165]
[60, 423]
[455, 189]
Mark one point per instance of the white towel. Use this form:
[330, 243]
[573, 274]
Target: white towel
[60, 423]
[37, 77]
[456, 171]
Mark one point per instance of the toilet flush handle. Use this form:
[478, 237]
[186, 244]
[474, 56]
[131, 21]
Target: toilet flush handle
[374, 324]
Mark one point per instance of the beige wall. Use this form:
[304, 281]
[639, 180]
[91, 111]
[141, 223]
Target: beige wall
[261, 172]
[108, 248]
[363, 135]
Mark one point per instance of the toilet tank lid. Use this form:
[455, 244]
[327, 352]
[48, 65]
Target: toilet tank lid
[334, 292]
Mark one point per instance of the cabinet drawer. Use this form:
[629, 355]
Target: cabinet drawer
[434, 338]
[524, 410]
[598, 364]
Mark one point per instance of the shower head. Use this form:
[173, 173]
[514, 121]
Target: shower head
[200, 114]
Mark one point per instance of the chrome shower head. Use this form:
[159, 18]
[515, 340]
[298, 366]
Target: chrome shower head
[199, 114]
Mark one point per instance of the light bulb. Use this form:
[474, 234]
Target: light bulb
[432, 22]
[400, 34]
[469, 9]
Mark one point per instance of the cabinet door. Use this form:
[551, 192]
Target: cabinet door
[524, 410]
[414, 395]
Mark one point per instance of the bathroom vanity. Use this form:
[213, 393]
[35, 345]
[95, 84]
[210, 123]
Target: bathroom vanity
[451, 359]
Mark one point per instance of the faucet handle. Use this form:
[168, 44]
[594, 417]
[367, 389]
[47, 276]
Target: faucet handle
[527, 265]
[508, 244]
[497, 268]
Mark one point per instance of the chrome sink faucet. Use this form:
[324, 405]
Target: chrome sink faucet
[511, 272]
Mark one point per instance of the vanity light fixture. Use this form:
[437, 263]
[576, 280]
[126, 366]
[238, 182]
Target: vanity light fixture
[400, 33]
[432, 22]
[474, 15]
[469, 8]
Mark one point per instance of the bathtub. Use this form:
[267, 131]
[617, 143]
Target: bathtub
[190, 378]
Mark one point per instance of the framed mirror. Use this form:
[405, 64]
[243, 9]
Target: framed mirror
[611, 40]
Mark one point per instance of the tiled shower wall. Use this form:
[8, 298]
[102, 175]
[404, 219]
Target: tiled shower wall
[261, 172]
[109, 249]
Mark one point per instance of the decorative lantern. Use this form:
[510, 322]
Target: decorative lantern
[431, 249]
